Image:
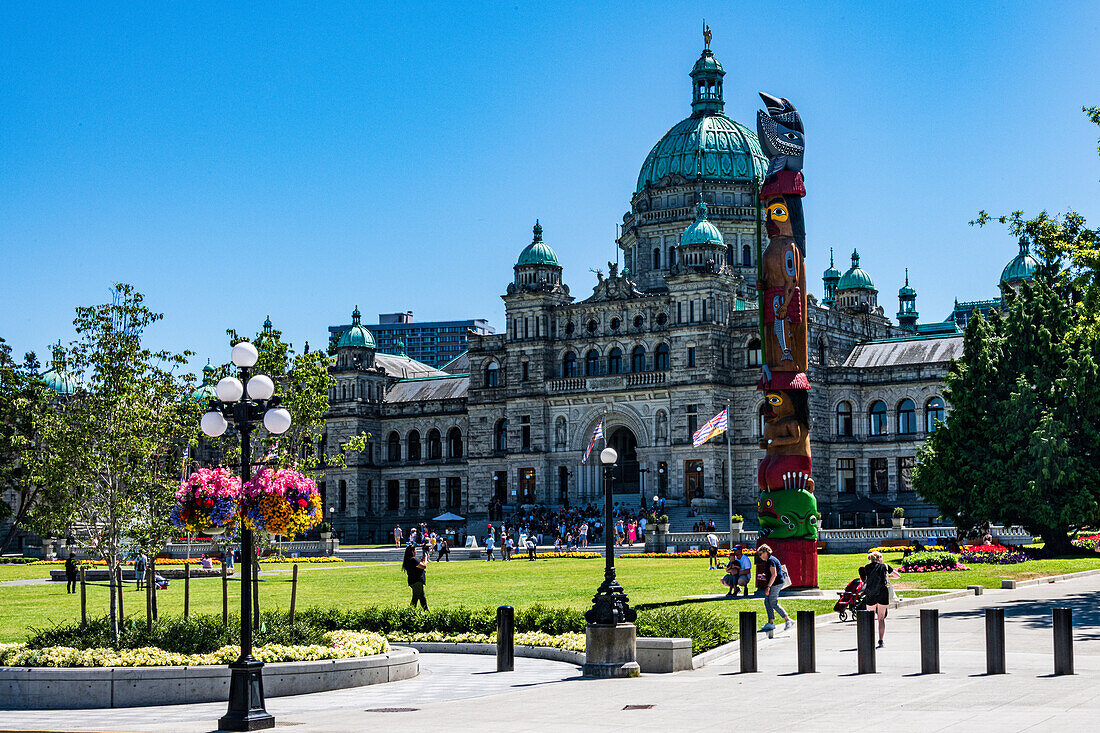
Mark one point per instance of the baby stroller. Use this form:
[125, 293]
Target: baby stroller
[850, 601]
[161, 582]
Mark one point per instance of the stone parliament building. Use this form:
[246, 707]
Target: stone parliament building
[659, 346]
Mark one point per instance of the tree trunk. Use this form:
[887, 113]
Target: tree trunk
[1056, 541]
[17, 518]
[111, 575]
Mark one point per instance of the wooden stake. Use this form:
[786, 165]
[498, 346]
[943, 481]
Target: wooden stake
[148, 601]
[121, 611]
[186, 591]
[293, 591]
[83, 600]
[225, 595]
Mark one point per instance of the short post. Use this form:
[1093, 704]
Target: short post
[148, 605]
[865, 641]
[225, 595]
[83, 599]
[506, 639]
[807, 645]
[747, 634]
[930, 641]
[121, 611]
[1063, 641]
[995, 641]
[293, 591]
[151, 574]
[186, 591]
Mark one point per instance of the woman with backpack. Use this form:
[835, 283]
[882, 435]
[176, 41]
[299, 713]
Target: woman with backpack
[417, 577]
[876, 589]
[775, 580]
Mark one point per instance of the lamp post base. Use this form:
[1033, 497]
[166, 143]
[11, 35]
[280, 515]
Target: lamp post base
[611, 651]
[246, 698]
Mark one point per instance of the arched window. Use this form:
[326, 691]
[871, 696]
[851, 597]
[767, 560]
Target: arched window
[412, 445]
[500, 436]
[637, 359]
[656, 258]
[393, 448]
[933, 411]
[454, 443]
[592, 363]
[661, 362]
[343, 391]
[907, 417]
[435, 445]
[754, 354]
[492, 375]
[615, 361]
[844, 419]
[746, 256]
[877, 424]
[569, 365]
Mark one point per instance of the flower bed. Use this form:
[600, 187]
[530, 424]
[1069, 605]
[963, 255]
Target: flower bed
[930, 562]
[1087, 542]
[570, 641]
[302, 560]
[994, 555]
[338, 645]
[903, 548]
[571, 555]
[685, 553]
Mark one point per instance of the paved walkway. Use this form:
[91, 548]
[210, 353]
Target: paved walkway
[463, 693]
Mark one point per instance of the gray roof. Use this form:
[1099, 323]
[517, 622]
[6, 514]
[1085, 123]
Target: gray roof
[446, 387]
[403, 367]
[458, 365]
[898, 352]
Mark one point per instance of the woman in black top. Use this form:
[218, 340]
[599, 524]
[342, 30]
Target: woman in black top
[876, 590]
[417, 577]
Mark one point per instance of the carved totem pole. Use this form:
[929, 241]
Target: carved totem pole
[787, 508]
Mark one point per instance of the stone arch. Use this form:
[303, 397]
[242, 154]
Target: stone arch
[622, 416]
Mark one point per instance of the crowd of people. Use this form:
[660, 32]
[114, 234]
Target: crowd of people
[575, 528]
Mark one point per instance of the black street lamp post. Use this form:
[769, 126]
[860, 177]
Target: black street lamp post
[246, 409]
[609, 605]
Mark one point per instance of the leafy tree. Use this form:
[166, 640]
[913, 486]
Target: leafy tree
[119, 437]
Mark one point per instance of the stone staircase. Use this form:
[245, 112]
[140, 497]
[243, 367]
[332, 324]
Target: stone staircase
[679, 521]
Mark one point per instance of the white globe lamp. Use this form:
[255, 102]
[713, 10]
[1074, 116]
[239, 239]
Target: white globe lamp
[260, 387]
[277, 421]
[245, 355]
[229, 389]
[608, 456]
[213, 424]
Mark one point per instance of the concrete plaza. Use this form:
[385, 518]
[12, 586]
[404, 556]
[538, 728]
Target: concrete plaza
[462, 692]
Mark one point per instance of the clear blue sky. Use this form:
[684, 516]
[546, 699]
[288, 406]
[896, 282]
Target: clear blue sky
[291, 161]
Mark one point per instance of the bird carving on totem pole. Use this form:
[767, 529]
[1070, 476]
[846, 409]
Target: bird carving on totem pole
[787, 507]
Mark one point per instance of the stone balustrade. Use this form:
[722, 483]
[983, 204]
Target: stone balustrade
[836, 540]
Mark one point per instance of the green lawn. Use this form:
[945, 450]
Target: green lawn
[564, 583]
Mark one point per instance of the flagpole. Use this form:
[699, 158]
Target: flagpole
[729, 472]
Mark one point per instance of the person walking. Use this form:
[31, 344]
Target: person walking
[139, 569]
[712, 550]
[775, 579]
[642, 522]
[443, 550]
[876, 589]
[584, 534]
[507, 546]
[417, 577]
[71, 573]
[532, 548]
[489, 547]
[397, 536]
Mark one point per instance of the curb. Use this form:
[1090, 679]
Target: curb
[532, 652]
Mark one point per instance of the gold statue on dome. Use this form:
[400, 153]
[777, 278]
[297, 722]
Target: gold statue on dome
[706, 36]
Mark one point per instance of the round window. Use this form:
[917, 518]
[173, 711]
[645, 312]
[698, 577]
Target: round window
[638, 321]
[570, 328]
[592, 325]
[661, 319]
[615, 324]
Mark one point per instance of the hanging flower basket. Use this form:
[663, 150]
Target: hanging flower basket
[209, 502]
[282, 502]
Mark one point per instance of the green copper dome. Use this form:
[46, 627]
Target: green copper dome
[538, 252]
[1022, 267]
[57, 377]
[708, 144]
[701, 231]
[856, 278]
[357, 336]
[206, 391]
[907, 289]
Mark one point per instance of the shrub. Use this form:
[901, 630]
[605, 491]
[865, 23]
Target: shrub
[926, 562]
[706, 629]
[899, 512]
[737, 518]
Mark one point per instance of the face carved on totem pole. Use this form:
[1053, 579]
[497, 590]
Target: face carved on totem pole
[776, 407]
[779, 218]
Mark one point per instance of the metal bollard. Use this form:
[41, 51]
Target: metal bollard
[1063, 641]
[865, 641]
[995, 641]
[807, 644]
[506, 639]
[929, 641]
[747, 633]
